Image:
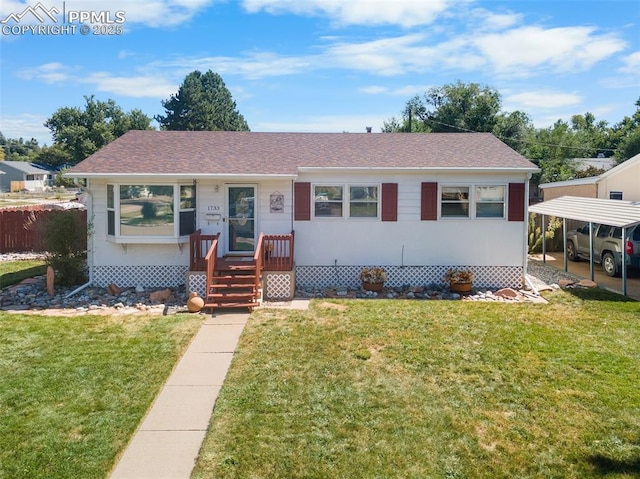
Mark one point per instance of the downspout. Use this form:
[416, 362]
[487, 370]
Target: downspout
[90, 247]
[526, 230]
[292, 204]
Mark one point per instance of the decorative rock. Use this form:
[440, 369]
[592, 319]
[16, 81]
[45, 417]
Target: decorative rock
[587, 283]
[50, 281]
[114, 290]
[507, 293]
[160, 296]
[565, 283]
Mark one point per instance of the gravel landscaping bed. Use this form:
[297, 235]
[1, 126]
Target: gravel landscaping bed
[31, 294]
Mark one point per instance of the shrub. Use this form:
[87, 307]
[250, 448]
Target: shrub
[64, 237]
[535, 233]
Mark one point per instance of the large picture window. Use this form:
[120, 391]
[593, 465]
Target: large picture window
[150, 210]
[455, 202]
[490, 201]
[363, 201]
[328, 201]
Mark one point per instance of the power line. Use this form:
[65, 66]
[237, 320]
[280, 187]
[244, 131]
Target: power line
[530, 141]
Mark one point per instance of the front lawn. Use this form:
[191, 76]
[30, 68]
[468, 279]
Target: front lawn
[73, 390]
[12, 272]
[433, 389]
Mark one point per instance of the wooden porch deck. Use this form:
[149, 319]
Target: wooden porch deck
[234, 281]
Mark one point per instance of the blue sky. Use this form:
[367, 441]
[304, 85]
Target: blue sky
[321, 65]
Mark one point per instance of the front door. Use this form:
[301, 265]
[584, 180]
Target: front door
[241, 224]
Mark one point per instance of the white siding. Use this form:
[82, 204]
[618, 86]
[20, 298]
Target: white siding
[410, 241]
[106, 252]
[325, 242]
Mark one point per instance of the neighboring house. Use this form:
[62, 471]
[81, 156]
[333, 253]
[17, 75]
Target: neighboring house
[415, 204]
[22, 175]
[600, 163]
[619, 183]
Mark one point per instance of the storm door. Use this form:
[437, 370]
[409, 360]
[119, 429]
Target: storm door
[241, 223]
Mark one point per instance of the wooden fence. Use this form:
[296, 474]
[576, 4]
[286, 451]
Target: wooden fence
[20, 229]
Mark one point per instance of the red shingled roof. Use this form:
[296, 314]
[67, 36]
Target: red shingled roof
[251, 153]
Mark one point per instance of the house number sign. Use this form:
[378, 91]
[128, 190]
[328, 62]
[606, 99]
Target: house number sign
[215, 208]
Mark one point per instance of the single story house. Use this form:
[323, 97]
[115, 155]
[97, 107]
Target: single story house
[415, 204]
[22, 175]
[619, 183]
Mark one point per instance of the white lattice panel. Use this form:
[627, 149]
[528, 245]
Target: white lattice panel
[151, 276]
[197, 281]
[489, 277]
[278, 286]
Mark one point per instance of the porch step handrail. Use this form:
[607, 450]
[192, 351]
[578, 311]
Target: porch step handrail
[210, 262]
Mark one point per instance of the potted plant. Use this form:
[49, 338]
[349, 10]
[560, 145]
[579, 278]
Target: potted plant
[373, 278]
[460, 280]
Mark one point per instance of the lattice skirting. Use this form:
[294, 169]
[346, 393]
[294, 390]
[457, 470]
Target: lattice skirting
[488, 277]
[151, 276]
[278, 285]
[155, 276]
[197, 281]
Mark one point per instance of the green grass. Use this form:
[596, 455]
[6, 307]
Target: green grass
[433, 389]
[73, 390]
[12, 272]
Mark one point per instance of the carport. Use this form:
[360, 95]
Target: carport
[617, 213]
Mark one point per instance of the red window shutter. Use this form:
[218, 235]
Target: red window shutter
[302, 201]
[429, 201]
[389, 201]
[516, 202]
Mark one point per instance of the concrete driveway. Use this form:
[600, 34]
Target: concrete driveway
[581, 268]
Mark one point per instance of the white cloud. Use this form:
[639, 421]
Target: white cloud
[631, 64]
[26, 126]
[495, 21]
[132, 86]
[541, 100]
[527, 50]
[405, 91]
[406, 13]
[53, 72]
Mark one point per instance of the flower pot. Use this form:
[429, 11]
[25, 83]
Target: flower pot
[195, 303]
[372, 286]
[461, 288]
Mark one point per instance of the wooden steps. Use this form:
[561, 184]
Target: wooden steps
[233, 285]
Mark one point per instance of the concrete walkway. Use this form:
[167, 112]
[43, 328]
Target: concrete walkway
[167, 443]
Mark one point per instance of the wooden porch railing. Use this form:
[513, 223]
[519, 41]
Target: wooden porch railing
[199, 246]
[277, 252]
[273, 252]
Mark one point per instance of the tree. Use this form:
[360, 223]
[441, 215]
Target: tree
[455, 107]
[53, 156]
[202, 103]
[626, 135]
[82, 132]
[18, 149]
[462, 107]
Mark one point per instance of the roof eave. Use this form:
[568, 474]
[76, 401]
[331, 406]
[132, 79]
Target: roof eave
[434, 169]
[592, 180]
[182, 176]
